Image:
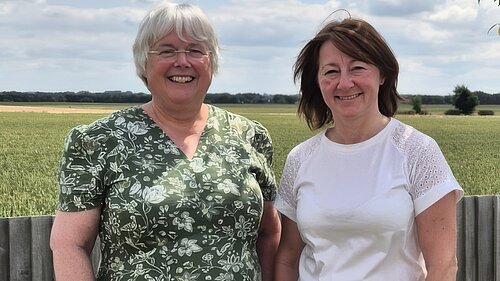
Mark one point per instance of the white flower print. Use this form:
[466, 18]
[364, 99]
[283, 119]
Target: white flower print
[197, 165]
[231, 156]
[117, 264]
[184, 222]
[137, 128]
[119, 121]
[228, 187]
[174, 185]
[147, 164]
[227, 276]
[154, 194]
[233, 263]
[239, 124]
[208, 210]
[166, 217]
[90, 145]
[188, 276]
[188, 247]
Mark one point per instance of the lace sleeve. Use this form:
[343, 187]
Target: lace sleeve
[428, 168]
[286, 197]
[429, 175]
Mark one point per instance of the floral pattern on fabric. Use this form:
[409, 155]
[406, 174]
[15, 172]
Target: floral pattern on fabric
[166, 217]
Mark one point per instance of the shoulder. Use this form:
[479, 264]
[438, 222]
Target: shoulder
[223, 114]
[303, 151]
[409, 140]
[238, 123]
[104, 128]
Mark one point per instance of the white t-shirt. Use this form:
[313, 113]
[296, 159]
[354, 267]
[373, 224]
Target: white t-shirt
[355, 205]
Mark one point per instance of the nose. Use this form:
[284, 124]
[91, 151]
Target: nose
[345, 81]
[181, 60]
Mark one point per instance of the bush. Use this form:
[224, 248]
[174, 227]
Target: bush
[465, 100]
[452, 112]
[486, 112]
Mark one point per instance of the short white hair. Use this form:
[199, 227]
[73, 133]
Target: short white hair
[181, 18]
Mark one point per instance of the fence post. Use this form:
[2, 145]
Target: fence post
[4, 249]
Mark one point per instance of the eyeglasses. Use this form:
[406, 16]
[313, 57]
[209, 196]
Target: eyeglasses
[171, 53]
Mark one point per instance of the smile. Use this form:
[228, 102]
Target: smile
[181, 79]
[348, 97]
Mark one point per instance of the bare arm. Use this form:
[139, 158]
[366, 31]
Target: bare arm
[268, 240]
[290, 248]
[437, 234]
[72, 239]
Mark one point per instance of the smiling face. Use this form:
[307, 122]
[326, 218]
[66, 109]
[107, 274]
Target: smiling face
[349, 87]
[180, 79]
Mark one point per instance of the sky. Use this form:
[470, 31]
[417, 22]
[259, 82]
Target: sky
[85, 45]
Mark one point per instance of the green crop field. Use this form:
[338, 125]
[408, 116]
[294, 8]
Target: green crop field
[31, 144]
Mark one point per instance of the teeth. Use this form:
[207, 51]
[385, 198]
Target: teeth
[181, 79]
[349, 97]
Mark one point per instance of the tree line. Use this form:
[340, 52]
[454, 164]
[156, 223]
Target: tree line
[214, 98]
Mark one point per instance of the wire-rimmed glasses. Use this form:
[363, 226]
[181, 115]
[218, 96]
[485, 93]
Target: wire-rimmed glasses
[171, 53]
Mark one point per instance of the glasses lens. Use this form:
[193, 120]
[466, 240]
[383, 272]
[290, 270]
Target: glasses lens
[195, 53]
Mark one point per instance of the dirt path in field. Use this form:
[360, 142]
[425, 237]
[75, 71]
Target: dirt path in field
[48, 109]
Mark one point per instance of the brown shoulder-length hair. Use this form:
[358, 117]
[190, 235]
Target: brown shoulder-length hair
[359, 40]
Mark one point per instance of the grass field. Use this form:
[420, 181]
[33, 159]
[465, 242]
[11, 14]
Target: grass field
[31, 144]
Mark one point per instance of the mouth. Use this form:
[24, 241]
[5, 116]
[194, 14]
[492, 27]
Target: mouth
[181, 79]
[348, 97]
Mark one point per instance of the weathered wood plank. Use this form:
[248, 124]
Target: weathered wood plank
[25, 252]
[485, 238]
[496, 237]
[4, 249]
[460, 237]
[470, 263]
[42, 266]
[20, 249]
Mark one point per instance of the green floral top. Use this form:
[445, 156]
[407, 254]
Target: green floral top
[165, 217]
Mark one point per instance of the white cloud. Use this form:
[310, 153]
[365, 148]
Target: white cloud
[86, 44]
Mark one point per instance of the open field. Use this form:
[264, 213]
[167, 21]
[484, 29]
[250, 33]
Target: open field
[31, 144]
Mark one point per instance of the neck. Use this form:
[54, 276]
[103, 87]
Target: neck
[183, 129]
[172, 119]
[352, 132]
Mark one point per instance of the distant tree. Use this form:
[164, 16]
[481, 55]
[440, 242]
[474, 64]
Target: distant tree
[464, 100]
[416, 101]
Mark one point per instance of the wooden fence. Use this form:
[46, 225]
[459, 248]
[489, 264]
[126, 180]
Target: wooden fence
[25, 253]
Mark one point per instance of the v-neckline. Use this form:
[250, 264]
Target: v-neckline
[167, 137]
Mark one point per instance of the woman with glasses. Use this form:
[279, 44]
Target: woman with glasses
[368, 198]
[176, 189]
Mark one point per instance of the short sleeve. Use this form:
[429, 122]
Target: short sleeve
[430, 176]
[265, 176]
[286, 201]
[80, 173]
[286, 198]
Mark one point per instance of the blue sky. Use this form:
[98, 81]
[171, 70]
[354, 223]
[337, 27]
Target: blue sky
[85, 45]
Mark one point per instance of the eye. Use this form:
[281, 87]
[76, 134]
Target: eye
[196, 52]
[169, 52]
[330, 72]
[358, 67]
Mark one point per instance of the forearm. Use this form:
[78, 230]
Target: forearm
[442, 273]
[285, 271]
[72, 264]
[267, 246]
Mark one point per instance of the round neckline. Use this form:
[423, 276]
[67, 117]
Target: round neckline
[350, 147]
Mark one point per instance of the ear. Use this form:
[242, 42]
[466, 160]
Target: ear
[382, 81]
